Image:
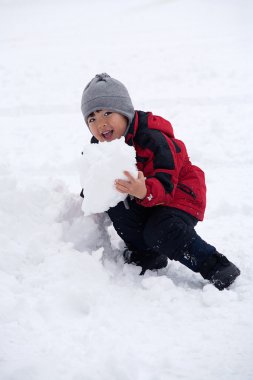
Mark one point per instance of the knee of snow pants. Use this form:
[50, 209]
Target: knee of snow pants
[129, 222]
[169, 232]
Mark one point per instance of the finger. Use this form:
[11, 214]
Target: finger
[140, 175]
[129, 176]
[122, 189]
[122, 182]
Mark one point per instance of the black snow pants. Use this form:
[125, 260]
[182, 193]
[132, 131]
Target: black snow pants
[162, 230]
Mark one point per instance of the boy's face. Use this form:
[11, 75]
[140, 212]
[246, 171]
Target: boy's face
[107, 125]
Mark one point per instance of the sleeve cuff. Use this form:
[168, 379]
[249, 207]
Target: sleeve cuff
[149, 199]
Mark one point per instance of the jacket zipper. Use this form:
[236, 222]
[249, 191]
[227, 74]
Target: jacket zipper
[186, 189]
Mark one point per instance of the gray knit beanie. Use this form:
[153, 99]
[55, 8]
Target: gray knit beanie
[104, 92]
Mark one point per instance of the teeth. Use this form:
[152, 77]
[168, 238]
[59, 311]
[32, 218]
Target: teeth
[106, 133]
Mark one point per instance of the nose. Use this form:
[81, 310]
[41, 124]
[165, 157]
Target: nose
[103, 125]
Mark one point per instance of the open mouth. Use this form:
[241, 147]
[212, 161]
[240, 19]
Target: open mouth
[107, 135]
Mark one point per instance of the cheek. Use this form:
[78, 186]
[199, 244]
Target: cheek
[95, 133]
[122, 124]
[93, 130]
[123, 127]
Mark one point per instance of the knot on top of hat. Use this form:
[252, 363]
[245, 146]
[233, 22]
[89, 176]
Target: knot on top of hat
[102, 76]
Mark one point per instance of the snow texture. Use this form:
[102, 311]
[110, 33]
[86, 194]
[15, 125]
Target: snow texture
[70, 309]
[100, 166]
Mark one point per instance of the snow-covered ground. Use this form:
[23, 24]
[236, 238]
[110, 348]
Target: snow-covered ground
[70, 309]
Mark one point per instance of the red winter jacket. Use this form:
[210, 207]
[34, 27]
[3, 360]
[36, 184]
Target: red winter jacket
[171, 179]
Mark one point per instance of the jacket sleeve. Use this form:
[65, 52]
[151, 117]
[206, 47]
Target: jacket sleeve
[163, 168]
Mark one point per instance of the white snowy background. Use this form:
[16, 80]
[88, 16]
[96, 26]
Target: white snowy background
[69, 308]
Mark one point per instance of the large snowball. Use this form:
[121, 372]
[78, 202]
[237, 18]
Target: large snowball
[100, 165]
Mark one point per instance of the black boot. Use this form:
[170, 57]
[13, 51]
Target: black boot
[219, 271]
[148, 261]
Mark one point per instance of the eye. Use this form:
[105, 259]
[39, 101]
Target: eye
[91, 120]
[107, 113]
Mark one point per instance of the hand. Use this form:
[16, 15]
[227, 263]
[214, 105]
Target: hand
[133, 186]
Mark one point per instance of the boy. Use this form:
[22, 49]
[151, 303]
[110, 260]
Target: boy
[168, 198]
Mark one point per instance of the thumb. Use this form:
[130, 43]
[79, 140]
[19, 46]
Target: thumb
[140, 175]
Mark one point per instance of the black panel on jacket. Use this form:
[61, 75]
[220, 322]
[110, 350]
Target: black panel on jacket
[165, 180]
[94, 140]
[155, 141]
[178, 149]
[141, 159]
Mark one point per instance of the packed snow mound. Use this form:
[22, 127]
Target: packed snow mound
[101, 164]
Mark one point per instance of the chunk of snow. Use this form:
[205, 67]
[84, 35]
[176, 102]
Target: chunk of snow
[101, 164]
